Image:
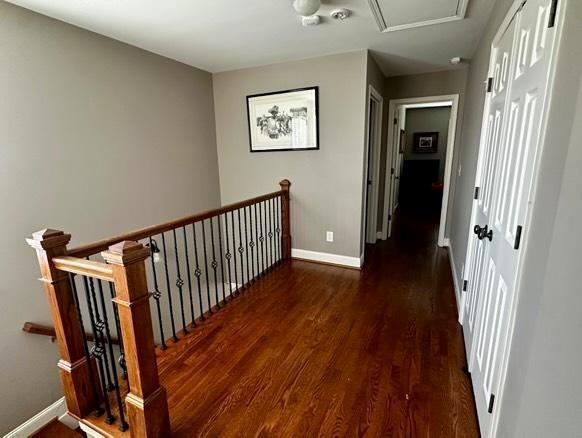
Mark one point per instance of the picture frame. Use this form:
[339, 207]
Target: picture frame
[285, 120]
[425, 142]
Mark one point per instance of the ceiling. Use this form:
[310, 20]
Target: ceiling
[221, 35]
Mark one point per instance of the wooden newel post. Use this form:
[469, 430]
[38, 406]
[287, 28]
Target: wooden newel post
[73, 365]
[286, 219]
[147, 405]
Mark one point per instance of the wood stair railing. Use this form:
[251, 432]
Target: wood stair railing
[44, 330]
[89, 374]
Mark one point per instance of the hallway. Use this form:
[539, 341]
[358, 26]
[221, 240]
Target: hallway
[320, 350]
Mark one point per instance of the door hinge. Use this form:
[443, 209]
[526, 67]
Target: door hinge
[553, 12]
[491, 402]
[517, 237]
[395, 121]
[465, 283]
[392, 171]
[489, 85]
[476, 194]
[389, 217]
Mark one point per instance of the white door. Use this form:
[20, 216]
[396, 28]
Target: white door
[520, 67]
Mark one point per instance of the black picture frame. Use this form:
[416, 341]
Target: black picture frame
[425, 143]
[249, 100]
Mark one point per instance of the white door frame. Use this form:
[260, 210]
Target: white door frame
[370, 211]
[421, 102]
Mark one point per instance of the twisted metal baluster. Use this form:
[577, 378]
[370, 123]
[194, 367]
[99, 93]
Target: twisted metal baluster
[252, 243]
[214, 263]
[157, 295]
[112, 294]
[246, 245]
[206, 266]
[241, 250]
[270, 235]
[197, 272]
[189, 277]
[97, 351]
[221, 259]
[98, 408]
[228, 255]
[170, 302]
[277, 229]
[234, 249]
[123, 426]
[179, 283]
[100, 325]
[262, 238]
[257, 239]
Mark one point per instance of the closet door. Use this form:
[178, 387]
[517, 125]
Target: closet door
[506, 176]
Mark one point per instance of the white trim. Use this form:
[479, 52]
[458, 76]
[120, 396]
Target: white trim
[372, 153]
[385, 27]
[393, 106]
[57, 410]
[379, 235]
[90, 431]
[446, 242]
[458, 292]
[352, 262]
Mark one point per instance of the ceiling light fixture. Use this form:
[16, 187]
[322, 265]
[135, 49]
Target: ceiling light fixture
[340, 14]
[307, 8]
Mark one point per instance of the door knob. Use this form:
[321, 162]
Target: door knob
[485, 233]
[477, 230]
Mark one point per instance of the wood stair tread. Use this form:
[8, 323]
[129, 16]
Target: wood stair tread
[57, 429]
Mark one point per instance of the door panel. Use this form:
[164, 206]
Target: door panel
[505, 175]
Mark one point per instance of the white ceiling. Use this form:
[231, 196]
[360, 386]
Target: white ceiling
[221, 35]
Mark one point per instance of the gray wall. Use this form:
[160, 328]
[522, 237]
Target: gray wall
[327, 183]
[543, 392]
[428, 84]
[96, 138]
[428, 120]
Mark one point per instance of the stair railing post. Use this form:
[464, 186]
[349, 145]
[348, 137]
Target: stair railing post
[73, 365]
[286, 219]
[147, 405]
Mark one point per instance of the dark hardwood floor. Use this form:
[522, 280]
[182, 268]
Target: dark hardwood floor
[315, 350]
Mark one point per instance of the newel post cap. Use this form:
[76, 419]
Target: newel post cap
[285, 184]
[48, 238]
[125, 253]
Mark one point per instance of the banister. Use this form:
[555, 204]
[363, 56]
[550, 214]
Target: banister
[45, 330]
[85, 267]
[102, 245]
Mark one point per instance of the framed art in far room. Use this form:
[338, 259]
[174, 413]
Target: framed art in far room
[284, 120]
[426, 142]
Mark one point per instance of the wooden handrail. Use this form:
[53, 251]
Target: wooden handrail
[45, 330]
[84, 267]
[102, 245]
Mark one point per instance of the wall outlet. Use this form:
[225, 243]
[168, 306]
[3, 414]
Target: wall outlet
[329, 236]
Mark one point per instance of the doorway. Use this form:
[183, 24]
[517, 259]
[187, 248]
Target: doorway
[372, 168]
[419, 159]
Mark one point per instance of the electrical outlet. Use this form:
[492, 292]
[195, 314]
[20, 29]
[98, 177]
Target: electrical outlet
[329, 236]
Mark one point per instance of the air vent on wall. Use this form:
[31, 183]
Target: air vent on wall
[393, 15]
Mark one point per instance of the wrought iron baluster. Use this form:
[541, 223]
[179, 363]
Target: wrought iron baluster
[112, 294]
[252, 243]
[221, 259]
[206, 266]
[189, 277]
[234, 251]
[277, 228]
[228, 255]
[257, 240]
[157, 294]
[246, 245]
[123, 426]
[214, 263]
[98, 408]
[179, 283]
[262, 238]
[241, 250]
[197, 272]
[100, 325]
[97, 351]
[170, 302]
[270, 234]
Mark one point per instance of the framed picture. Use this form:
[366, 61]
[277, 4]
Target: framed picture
[402, 141]
[284, 120]
[426, 142]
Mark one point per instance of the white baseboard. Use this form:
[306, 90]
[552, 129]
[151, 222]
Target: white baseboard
[57, 410]
[447, 242]
[458, 293]
[352, 262]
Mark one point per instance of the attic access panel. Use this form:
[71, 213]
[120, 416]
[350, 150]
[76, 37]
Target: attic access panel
[392, 15]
